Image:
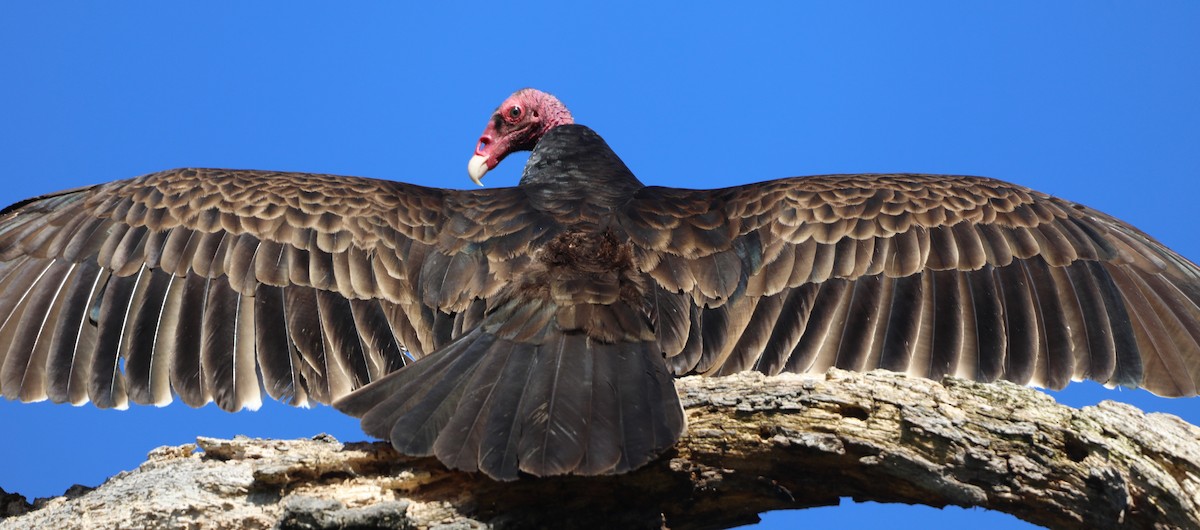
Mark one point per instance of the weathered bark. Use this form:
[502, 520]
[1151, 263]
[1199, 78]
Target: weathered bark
[754, 444]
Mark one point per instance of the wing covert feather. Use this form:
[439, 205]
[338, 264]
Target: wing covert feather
[984, 279]
[161, 283]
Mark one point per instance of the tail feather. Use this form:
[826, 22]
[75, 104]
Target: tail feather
[569, 404]
[556, 428]
[415, 401]
[421, 424]
[602, 454]
[497, 453]
[644, 389]
[459, 447]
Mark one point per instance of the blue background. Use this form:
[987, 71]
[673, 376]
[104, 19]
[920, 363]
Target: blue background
[1095, 101]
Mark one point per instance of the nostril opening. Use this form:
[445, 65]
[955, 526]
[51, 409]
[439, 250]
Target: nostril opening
[483, 143]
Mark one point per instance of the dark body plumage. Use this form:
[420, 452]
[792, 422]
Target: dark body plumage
[553, 314]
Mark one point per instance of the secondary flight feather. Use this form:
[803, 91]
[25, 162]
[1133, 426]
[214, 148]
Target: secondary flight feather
[538, 328]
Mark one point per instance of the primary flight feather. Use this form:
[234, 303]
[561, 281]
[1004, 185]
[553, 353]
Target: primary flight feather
[538, 328]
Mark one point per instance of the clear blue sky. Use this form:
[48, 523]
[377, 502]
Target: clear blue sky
[1095, 101]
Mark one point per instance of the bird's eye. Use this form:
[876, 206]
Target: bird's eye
[514, 112]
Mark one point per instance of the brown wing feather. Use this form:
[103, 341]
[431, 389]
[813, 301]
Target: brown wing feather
[153, 281]
[321, 284]
[1015, 298]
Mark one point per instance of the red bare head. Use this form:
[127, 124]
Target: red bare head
[516, 125]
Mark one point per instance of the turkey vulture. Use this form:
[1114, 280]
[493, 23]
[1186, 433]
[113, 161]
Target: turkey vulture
[538, 328]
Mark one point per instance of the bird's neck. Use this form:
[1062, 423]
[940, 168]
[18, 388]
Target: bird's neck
[574, 160]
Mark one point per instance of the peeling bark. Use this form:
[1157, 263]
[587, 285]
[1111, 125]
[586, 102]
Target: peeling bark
[754, 444]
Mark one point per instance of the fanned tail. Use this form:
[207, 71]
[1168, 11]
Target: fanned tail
[553, 403]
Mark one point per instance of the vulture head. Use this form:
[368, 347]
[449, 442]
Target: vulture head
[516, 125]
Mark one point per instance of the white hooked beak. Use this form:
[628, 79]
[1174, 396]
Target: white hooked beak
[476, 168]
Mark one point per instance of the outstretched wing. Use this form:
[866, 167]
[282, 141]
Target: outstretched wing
[930, 275]
[204, 282]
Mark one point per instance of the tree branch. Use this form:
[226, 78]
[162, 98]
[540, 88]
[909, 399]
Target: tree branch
[754, 444]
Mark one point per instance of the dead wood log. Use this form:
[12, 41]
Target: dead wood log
[754, 444]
